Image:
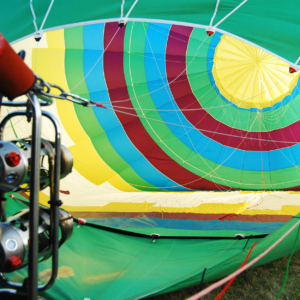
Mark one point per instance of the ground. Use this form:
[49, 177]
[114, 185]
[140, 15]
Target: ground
[259, 283]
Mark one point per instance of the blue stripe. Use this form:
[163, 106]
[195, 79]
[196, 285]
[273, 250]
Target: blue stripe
[95, 82]
[266, 227]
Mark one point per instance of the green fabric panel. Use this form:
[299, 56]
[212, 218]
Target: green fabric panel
[73, 38]
[116, 266]
[16, 19]
[255, 21]
[282, 249]
[134, 41]
[86, 116]
[134, 267]
[127, 6]
[80, 11]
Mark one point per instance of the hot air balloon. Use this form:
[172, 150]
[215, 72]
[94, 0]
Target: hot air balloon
[189, 153]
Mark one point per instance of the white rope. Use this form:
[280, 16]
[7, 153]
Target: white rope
[39, 32]
[122, 7]
[47, 13]
[230, 13]
[33, 14]
[131, 8]
[241, 270]
[215, 12]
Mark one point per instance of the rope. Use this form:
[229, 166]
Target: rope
[231, 281]
[239, 271]
[288, 264]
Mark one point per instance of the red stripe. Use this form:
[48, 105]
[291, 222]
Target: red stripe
[231, 281]
[184, 97]
[183, 216]
[226, 217]
[117, 89]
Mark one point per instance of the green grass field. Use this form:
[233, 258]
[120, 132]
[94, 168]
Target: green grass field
[263, 282]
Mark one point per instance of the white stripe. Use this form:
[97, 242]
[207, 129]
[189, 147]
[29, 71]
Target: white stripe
[131, 8]
[216, 9]
[47, 13]
[296, 62]
[155, 21]
[231, 13]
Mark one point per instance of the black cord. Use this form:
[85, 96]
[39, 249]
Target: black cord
[202, 280]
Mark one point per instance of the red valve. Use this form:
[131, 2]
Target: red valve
[81, 221]
[14, 262]
[292, 70]
[210, 32]
[13, 159]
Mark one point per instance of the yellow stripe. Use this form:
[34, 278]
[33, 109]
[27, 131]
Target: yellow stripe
[50, 66]
[206, 208]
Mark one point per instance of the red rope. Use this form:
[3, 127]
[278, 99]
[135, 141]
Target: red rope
[98, 104]
[231, 281]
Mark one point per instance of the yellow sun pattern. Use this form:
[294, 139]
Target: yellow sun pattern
[250, 77]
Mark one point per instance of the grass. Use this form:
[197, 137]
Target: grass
[263, 282]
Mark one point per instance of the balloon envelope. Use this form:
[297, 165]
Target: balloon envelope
[198, 137]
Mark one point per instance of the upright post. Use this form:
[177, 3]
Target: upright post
[34, 197]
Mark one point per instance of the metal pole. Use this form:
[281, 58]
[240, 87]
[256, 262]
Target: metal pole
[55, 179]
[34, 197]
[54, 202]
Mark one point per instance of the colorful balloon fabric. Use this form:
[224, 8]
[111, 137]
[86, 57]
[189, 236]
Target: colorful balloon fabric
[190, 136]
[185, 111]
